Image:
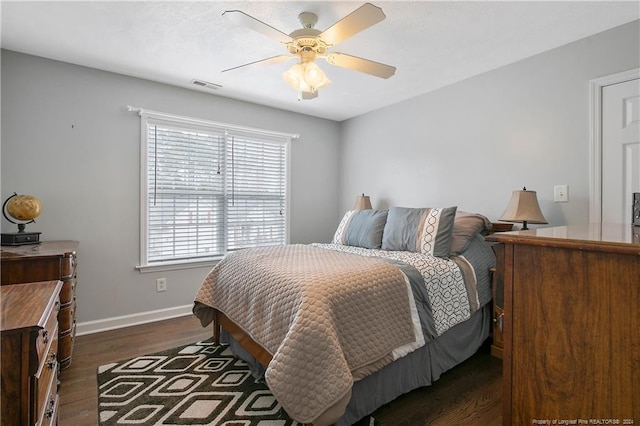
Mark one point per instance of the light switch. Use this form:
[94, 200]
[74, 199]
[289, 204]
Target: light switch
[561, 193]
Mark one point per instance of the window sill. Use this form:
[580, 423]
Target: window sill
[173, 266]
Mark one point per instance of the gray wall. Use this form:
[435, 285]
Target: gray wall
[471, 144]
[68, 139]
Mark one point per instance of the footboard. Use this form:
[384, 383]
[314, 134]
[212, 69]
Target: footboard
[221, 321]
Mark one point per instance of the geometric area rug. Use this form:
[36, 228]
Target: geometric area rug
[196, 384]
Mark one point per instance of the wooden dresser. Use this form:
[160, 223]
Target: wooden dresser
[50, 260]
[571, 325]
[29, 348]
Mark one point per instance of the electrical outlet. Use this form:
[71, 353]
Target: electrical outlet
[561, 193]
[161, 284]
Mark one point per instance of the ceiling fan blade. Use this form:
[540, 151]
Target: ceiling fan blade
[268, 61]
[358, 20]
[265, 29]
[363, 65]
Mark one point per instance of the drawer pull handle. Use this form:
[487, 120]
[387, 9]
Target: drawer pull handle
[51, 364]
[45, 336]
[52, 403]
[499, 321]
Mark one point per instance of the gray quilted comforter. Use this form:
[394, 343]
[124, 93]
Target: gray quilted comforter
[332, 314]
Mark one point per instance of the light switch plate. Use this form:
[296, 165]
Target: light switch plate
[561, 193]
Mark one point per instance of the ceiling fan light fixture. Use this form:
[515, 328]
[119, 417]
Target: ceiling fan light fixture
[306, 77]
[313, 75]
[294, 76]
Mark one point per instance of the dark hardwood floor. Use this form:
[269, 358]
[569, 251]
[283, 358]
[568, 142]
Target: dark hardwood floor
[469, 394]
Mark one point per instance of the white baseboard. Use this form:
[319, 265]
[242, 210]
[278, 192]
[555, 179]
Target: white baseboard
[90, 327]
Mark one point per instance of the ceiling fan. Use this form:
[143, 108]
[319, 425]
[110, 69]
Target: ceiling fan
[307, 44]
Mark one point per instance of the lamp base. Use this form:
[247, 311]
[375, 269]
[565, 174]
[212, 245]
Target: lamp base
[21, 238]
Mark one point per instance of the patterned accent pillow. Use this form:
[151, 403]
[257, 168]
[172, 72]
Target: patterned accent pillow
[361, 228]
[426, 230]
[342, 226]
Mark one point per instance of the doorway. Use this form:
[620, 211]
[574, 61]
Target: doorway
[614, 172]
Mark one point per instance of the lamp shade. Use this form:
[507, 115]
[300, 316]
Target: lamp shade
[362, 203]
[523, 207]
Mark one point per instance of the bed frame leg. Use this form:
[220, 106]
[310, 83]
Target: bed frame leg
[216, 329]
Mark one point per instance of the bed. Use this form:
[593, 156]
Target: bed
[339, 329]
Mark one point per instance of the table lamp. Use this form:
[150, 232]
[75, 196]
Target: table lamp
[362, 203]
[523, 207]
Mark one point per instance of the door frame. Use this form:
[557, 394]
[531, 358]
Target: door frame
[595, 137]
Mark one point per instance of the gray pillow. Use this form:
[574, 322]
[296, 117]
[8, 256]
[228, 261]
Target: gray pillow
[465, 227]
[361, 228]
[425, 230]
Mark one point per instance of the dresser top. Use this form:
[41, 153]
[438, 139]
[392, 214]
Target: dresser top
[27, 305]
[44, 249]
[593, 236]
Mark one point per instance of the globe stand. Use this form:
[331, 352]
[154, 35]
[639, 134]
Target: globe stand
[20, 238]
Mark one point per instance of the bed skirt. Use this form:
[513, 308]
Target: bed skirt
[420, 368]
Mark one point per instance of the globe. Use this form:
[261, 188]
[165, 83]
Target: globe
[24, 207]
[21, 210]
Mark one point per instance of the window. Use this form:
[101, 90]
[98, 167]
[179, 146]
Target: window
[209, 189]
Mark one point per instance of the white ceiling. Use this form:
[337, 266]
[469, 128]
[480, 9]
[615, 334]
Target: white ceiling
[432, 44]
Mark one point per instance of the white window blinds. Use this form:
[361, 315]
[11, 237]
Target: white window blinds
[255, 188]
[209, 190]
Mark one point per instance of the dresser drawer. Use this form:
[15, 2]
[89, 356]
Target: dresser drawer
[48, 333]
[68, 291]
[68, 266]
[66, 347]
[46, 383]
[50, 416]
[67, 316]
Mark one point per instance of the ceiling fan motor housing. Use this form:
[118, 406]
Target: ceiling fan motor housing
[305, 40]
